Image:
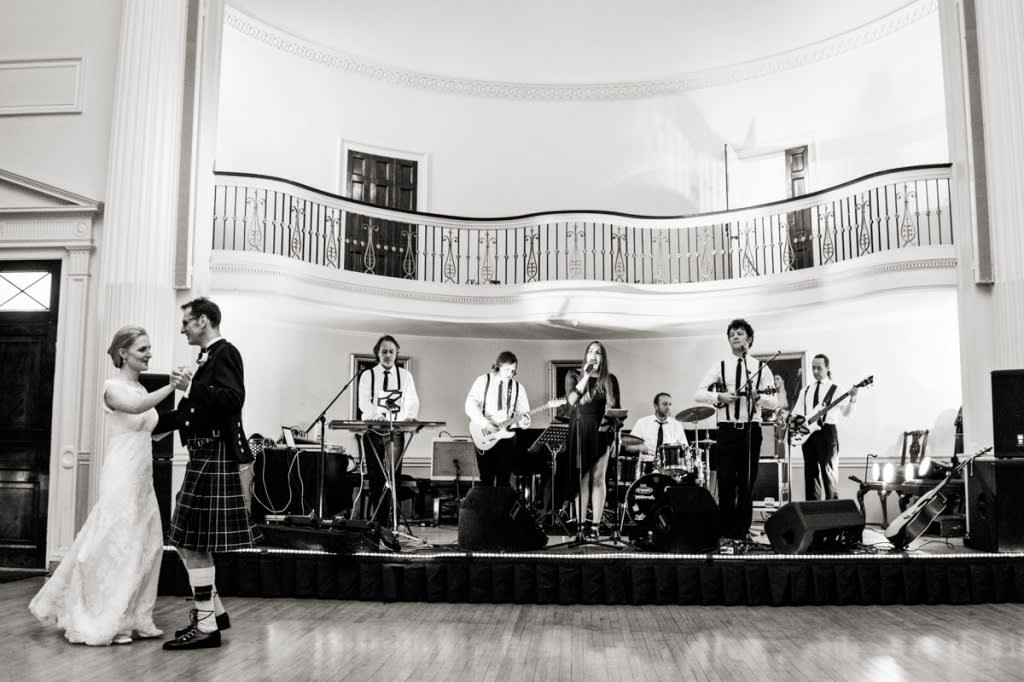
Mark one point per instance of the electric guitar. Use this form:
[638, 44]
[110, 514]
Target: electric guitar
[719, 387]
[909, 525]
[801, 427]
[485, 437]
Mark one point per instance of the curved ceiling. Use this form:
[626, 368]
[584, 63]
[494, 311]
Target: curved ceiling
[567, 42]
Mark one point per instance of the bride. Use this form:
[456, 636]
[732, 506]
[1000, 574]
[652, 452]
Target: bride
[104, 590]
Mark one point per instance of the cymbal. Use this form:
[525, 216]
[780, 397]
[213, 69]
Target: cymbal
[630, 439]
[695, 413]
[706, 441]
[560, 419]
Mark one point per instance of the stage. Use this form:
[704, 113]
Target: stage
[932, 571]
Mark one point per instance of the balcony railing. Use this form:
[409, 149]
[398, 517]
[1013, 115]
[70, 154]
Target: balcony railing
[894, 209]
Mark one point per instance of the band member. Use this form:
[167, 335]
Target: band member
[385, 391]
[211, 514]
[821, 447]
[733, 386]
[657, 429]
[594, 389]
[494, 398]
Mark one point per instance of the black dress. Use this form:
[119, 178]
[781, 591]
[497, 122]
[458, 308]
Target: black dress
[584, 428]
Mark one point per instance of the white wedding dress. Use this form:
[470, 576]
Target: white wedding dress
[107, 582]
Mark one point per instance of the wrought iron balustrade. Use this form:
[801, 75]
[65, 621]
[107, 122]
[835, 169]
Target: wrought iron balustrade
[895, 209]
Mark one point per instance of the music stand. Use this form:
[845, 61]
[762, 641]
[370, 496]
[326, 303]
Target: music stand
[553, 438]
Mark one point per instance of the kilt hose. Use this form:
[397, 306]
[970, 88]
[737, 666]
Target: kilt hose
[211, 514]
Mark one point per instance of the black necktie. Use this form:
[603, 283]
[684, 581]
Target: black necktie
[661, 435]
[500, 403]
[736, 388]
[816, 389]
[387, 375]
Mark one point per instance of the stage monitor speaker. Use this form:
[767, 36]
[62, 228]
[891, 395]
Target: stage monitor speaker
[1008, 413]
[826, 525]
[498, 519]
[995, 515]
[688, 523]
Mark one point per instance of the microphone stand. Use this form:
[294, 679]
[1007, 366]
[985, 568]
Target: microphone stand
[751, 393]
[318, 513]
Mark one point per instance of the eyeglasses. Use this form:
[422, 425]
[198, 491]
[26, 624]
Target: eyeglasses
[184, 323]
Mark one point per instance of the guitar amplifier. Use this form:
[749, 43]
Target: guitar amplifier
[770, 482]
[454, 457]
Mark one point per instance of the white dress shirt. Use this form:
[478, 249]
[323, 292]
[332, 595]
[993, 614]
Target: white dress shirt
[480, 407]
[749, 368]
[805, 402]
[647, 428]
[398, 379]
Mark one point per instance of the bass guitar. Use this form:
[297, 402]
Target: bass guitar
[909, 525]
[485, 437]
[801, 427]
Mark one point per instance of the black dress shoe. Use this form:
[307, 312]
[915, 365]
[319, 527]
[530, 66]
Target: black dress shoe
[223, 623]
[194, 638]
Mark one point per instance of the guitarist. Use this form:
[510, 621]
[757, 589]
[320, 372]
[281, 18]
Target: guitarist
[738, 415]
[495, 397]
[821, 447]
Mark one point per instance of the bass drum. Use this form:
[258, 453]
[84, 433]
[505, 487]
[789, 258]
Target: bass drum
[646, 496]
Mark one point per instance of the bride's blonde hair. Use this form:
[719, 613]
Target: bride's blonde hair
[123, 340]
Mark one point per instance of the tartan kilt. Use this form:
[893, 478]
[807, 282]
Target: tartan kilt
[210, 514]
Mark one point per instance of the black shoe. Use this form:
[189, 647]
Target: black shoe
[223, 623]
[194, 639]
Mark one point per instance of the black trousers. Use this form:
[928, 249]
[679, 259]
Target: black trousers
[495, 465]
[821, 457]
[738, 453]
[375, 450]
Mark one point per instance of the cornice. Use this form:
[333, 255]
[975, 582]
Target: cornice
[623, 90]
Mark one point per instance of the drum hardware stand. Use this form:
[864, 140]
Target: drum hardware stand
[318, 513]
[616, 423]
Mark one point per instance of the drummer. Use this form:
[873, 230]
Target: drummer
[657, 429]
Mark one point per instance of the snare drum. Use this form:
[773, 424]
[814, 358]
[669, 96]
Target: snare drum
[678, 462]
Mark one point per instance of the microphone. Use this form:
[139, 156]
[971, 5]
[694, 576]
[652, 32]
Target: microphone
[588, 368]
[855, 480]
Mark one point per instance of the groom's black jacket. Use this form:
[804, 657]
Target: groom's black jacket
[213, 407]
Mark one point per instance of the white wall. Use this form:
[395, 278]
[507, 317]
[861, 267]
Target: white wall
[69, 151]
[876, 107]
[907, 340]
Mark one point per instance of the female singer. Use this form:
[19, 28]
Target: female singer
[594, 389]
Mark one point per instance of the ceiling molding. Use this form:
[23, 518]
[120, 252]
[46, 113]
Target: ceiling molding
[676, 84]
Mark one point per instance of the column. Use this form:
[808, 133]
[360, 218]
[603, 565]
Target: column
[137, 243]
[984, 110]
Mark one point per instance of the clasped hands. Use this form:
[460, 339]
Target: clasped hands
[180, 377]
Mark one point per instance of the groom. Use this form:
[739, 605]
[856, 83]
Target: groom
[211, 514]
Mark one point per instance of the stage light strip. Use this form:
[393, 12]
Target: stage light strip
[633, 556]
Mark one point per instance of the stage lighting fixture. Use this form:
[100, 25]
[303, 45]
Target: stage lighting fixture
[932, 469]
[889, 473]
[909, 471]
[876, 472]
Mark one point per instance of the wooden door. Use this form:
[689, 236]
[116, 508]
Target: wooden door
[28, 335]
[801, 232]
[381, 247]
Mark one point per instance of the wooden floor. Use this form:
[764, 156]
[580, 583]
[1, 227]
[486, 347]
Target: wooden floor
[288, 639]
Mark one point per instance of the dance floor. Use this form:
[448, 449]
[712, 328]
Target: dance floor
[317, 639]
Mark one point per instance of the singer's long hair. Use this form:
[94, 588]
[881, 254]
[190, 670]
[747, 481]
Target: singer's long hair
[603, 385]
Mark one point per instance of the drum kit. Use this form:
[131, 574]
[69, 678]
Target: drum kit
[647, 477]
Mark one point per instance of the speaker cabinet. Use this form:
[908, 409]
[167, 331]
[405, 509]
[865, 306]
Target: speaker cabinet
[1008, 413]
[688, 523]
[825, 525]
[163, 451]
[771, 474]
[995, 515]
[497, 519]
